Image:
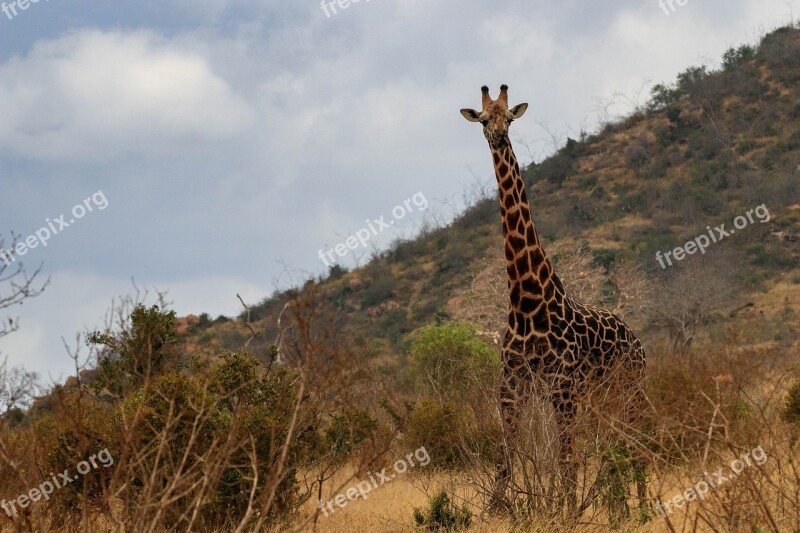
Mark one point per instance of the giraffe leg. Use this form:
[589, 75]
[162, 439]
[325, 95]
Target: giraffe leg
[504, 471]
[634, 417]
[569, 469]
[568, 466]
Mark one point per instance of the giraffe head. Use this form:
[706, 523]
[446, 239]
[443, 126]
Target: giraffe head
[495, 116]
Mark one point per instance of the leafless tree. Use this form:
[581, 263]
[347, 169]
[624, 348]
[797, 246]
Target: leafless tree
[690, 293]
[16, 283]
[17, 387]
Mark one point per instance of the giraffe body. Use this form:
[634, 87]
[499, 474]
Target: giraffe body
[551, 338]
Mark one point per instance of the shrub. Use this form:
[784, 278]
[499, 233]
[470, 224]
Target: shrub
[443, 515]
[145, 349]
[656, 169]
[336, 271]
[207, 417]
[438, 427]
[745, 144]
[771, 257]
[791, 408]
[663, 96]
[556, 168]
[347, 430]
[618, 472]
[450, 355]
[733, 57]
[674, 117]
[71, 434]
[589, 182]
[604, 257]
[691, 79]
[394, 324]
[172, 403]
[203, 322]
[637, 153]
[579, 215]
[381, 289]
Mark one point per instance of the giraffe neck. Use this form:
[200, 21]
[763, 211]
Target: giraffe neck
[531, 282]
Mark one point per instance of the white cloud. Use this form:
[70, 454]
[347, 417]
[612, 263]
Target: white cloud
[95, 95]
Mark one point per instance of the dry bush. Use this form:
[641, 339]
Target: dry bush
[707, 412]
[705, 405]
[240, 443]
[701, 413]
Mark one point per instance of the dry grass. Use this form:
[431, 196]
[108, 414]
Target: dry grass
[389, 509]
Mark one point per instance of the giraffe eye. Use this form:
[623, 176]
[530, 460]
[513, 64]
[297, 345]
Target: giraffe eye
[485, 122]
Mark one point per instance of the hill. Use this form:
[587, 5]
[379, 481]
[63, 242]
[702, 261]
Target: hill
[706, 149]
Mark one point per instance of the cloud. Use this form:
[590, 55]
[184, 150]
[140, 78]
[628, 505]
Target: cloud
[96, 95]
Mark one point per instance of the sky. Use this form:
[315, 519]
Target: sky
[210, 148]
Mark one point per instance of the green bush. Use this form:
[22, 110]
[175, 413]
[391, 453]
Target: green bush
[618, 472]
[745, 144]
[589, 182]
[440, 428]
[604, 257]
[733, 57]
[443, 515]
[199, 412]
[555, 169]
[771, 257]
[637, 153]
[663, 96]
[347, 430]
[450, 355]
[145, 349]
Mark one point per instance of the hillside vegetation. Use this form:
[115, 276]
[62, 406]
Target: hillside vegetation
[706, 149]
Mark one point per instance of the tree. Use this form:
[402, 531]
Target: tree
[133, 355]
[17, 387]
[735, 56]
[16, 284]
[689, 294]
[444, 356]
[663, 96]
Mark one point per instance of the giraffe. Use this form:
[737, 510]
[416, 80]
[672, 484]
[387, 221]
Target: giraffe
[550, 335]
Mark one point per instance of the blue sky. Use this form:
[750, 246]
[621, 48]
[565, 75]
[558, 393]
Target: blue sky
[233, 140]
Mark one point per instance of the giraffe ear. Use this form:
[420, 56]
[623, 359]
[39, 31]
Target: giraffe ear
[519, 110]
[471, 115]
